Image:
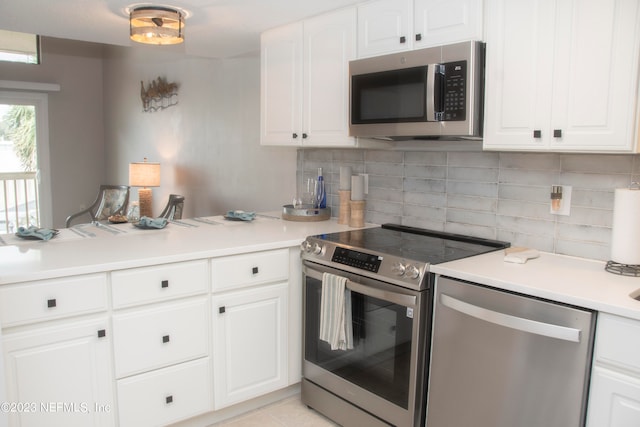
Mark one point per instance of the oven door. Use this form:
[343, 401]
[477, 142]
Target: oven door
[384, 374]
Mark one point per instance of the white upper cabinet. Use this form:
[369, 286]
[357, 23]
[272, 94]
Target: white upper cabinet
[388, 26]
[384, 26]
[305, 81]
[561, 75]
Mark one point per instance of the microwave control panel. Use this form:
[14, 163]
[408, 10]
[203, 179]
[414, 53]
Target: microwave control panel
[455, 91]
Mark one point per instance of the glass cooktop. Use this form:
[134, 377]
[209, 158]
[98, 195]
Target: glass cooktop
[428, 246]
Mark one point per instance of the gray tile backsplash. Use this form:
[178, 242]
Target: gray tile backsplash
[498, 195]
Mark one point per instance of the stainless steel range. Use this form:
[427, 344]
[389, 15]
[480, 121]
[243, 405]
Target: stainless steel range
[380, 377]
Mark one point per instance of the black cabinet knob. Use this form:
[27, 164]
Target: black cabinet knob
[403, 39]
[222, 309]
[537, 134]
[51, 303]
[557, 133]
[165, 339]
[295, 135]
[165, 284]
[168, 399]
[254, 270]
[418, 37]
[305, 136]
[102, 333]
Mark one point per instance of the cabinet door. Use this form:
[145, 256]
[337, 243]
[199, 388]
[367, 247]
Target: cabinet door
[518, 82]
[384, 26]
[595, 75]
[439, 22]
[329, 45]
[61, 375]
[614, 400]
[281, 86]
[250, 343]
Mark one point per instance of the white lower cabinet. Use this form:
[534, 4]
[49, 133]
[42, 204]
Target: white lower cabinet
[60, 375]
[614, 399]
[166, 395]
[152, 338]
[135, 347]
[162, 362]
[614, 395]
[250, 343]
[161, 343]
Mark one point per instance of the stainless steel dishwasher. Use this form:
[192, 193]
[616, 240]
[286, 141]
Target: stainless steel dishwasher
[501, 359]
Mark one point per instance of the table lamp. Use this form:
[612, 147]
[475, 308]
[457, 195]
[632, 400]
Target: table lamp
[144, 174]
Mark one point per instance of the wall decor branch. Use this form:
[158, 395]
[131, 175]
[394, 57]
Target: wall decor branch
[158, 95]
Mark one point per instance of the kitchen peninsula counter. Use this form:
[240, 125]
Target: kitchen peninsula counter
[91, 249]
[570, 280]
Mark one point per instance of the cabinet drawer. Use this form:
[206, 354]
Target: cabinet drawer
[157, 283]
[166, 395]
[52, 299]
[250, 269]
[618, 342]
[154, 338]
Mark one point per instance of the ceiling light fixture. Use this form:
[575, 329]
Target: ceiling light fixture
[156, 25]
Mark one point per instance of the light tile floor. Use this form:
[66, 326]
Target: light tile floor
[290, 412]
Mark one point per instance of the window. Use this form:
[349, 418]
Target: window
[19, 47]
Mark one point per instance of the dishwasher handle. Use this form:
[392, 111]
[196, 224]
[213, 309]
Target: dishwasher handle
[513, 322]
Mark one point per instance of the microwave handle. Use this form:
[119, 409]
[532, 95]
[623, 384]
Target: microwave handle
[435, 95]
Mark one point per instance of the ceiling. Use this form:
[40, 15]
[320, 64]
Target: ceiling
[213, 28]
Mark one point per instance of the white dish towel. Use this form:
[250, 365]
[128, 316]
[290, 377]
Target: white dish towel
[335, 312]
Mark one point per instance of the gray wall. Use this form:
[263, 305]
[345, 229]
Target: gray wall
[487, 194]
[208, 144]
[76, 129]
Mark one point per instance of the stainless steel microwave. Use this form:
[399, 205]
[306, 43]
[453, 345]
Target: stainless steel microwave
[428, 93]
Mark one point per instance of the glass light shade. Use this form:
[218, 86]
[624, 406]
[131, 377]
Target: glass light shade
[144, 174]
[156, 25]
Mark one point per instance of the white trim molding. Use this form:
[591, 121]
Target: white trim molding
[30, 86]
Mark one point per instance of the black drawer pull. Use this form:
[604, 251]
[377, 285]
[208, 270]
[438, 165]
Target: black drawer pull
[418, 37]
[537, 134]
[254, 270]
[165, 339]
[51, 303]
[305, 136]
[165, 284]
[403, 39]
[222, 309]
[295, 135]
[168, 399]
[102, 333]
[557, 133]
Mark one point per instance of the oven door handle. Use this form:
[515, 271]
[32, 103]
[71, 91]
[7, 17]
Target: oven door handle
[393, 297]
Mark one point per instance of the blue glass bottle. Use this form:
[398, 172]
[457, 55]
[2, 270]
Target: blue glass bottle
[321, 195]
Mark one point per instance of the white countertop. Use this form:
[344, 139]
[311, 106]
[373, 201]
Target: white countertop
[570, 280]
[89, 248]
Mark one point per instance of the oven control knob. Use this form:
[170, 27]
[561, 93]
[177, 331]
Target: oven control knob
[398, 268]
[412, 272]
[305, 246]
[316, 249]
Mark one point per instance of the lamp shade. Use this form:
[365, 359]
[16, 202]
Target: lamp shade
[156, 25]
[144, 174]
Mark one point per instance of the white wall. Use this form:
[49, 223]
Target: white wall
[208, 144]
